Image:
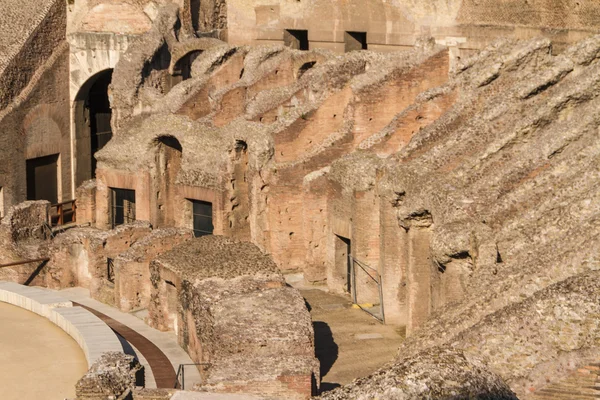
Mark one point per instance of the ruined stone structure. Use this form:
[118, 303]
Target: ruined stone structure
[448, 188]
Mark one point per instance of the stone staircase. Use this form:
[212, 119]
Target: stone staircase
[582, 384]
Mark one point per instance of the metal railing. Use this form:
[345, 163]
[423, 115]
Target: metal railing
[35, 273]
[12, 264]
[110, 270]
[64, 213]
[180, 378]
[376, 277]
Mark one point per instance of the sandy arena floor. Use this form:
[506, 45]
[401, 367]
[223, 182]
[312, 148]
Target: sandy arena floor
[38, 360]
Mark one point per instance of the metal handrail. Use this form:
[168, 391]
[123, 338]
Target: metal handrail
[110, 270]
[181, 372]
[12, 264]
[378, 281]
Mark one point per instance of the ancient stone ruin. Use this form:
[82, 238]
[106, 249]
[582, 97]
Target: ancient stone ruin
[434, 163]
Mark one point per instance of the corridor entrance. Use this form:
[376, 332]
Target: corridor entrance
[42, 178]
[100, 115]
[343, 264]
[92, 114]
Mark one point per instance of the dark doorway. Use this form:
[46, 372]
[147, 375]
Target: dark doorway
[296, 39]
[42, 178]
[343, 262]
[355, 41]
[202, 218]
[195, 14]
[100, 115]
[122, 206]
[92, 123]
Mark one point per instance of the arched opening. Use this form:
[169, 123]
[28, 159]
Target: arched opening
[167, 166]
[92, 124]
[183, 67]
[305, 67]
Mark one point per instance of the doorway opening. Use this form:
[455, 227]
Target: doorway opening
[42, 178]
[1, 202]
[343, 261]
[92, 124]
[122, 210]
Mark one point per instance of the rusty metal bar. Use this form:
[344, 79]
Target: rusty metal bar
[12, 264]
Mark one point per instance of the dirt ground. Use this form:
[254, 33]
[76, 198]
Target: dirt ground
[349, 342]
[38, 360]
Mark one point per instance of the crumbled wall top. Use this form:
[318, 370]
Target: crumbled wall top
[219, 257]
[437, 373]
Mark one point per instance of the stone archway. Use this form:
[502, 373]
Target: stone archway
[92, 116]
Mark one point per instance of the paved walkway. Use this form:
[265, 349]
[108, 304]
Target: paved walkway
[124, 324]
[162, 370]
[349, 343]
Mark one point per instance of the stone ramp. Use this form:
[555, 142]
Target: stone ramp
[582, 384]
[93, 336]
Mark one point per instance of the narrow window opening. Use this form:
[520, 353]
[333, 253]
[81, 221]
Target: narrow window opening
[355, 41]
[202, 218]
[1, 202]
[296, 39]
[195, 14]
[122, 206]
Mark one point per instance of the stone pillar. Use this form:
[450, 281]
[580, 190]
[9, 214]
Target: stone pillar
[419, 277]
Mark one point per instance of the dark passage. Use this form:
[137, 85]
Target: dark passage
[42, 178]
[100, 115]
[296, 39]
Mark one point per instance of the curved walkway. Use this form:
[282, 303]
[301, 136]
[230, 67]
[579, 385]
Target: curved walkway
[166, 342]
[162, 370]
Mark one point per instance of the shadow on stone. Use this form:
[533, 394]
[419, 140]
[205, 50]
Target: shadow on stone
[326, 350]
[327, 386]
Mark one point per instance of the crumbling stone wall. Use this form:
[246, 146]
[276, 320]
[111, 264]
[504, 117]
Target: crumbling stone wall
[233, 312]
[34, 89]
[463, 25]
[112, 376]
